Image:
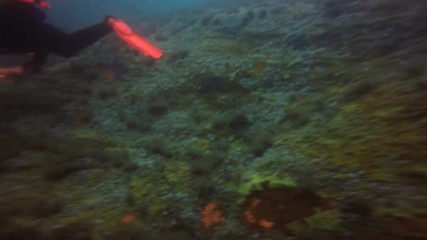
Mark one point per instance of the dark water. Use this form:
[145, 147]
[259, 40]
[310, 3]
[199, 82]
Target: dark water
[293, 120]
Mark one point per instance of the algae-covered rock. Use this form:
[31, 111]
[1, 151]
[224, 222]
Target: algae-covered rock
[125, 231]
[296, 117]
[157, 193]
[158, 145]
[235, 123]
[407, 227]
[260, 143]
[58, 167]
[157, 106]
[18, 103]
[147, 197]
[12, 142]
[79, 230]
[137, 121]
[15, 231]
[29, 202]
[258, 181]
[209, 83]
[206, 164]
[358, 90]
[119, 158]
[327, 220]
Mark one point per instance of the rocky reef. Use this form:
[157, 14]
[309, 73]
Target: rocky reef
[290, 120]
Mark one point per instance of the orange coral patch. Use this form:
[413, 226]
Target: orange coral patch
[211, 215]
[249, 217]
[128, 218]
[265, 223]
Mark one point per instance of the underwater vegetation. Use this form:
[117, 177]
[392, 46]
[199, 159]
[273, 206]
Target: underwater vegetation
[265, 120]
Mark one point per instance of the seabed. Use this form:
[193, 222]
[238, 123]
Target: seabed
[270, 120]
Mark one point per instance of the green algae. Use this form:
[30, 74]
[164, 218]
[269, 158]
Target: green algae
[139, 188]
[258, 181]
[328, 220]
[149, 193]
[158, 145]
[381, 118]
[87, 133]
[177, 173]
[203, 145]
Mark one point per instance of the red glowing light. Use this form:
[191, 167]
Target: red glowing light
[10, 70]
[133, 40]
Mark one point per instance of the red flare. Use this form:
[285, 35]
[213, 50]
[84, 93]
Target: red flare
[133, 40]
[10, 70]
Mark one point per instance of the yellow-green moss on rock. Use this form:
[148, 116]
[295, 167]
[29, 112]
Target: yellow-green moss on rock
[320, 221]
[258, 181]
[149, 193]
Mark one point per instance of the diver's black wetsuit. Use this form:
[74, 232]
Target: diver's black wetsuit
[23, 30]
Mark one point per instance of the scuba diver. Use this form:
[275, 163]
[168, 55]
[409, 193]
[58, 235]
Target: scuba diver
[25, 32]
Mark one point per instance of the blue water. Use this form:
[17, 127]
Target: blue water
[71, 15]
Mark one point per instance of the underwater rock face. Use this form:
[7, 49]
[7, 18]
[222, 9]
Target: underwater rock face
[14, 105]
[20, 233]
[11, 142]
[411, 228]
[296, 119]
